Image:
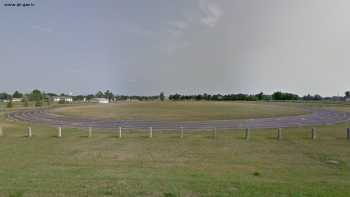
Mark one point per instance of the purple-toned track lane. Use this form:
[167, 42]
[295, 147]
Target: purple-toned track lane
[316, 117]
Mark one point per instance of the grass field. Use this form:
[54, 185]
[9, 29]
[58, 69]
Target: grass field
[183, 111]
[166, 165]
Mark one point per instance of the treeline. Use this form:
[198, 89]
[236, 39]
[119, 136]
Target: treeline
[39, 97]
[35, 96]
[116, 97]
[216, 97]
[6, 96]
[112, 97]
[281, 96]
[284, 96]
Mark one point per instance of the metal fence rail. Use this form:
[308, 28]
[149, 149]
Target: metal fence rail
[181, 132]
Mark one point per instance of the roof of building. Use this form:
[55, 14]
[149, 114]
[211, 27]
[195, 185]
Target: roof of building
[62, 97]
[100, 99]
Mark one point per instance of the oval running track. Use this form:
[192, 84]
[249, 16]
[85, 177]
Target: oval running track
[316, 117]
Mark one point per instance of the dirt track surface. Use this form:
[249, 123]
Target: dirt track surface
[317, 117]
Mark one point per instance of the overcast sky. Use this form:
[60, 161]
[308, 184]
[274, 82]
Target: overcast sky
[184, 46]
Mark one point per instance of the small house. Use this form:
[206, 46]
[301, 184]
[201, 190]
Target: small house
[17, 99]
[66, 99]
[99, 100]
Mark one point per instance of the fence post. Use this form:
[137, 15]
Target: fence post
[214, 133]
[279, 134]
[29, 132]
[182, 132]
[247, 134]
[313, 133]
[59, 132]
[120, 132]
[1, 132]
[150, 132]
[90, 132]
[348, 134]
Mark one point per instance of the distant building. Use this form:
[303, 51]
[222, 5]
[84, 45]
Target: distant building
[336, 98]
[63, 99]
[17, 99]
[99, 100]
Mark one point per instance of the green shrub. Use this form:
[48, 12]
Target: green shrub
[9, 104]
[38, 103]
[168, 194]
[256, 174]
[16, 194]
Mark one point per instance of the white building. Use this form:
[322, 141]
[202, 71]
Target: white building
[63, 99]
[100, 100]
[17, 99]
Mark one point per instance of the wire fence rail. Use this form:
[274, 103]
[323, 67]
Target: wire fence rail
[180, 132]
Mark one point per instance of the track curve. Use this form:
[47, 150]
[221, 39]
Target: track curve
[316, 117]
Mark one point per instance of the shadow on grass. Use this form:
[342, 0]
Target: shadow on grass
[342, 138]
[273, 138]
[176, 137]
[55, 136]
[85, 136]
[241, 138]
[306, 138]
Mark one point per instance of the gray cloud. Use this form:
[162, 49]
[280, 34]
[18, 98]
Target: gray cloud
[179, 24]
[211, 12]
[133, 47]
[42, 28]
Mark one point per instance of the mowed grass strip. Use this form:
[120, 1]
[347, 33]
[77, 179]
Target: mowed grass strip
[183, 111]
[165, 165]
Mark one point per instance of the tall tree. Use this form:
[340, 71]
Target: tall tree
[17, 94]
[25, 101]
[161, 96]
[260, 96]
[347, 93]
[100, 94]
[37, 97]
[109, 95]
[5, 96]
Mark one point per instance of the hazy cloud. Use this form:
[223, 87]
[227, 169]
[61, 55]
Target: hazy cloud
[174, 46]
[42, 28]
[175, 32]
[177, 28]
[177, 41]
[213, 46]
[211, 11]
[179, 24]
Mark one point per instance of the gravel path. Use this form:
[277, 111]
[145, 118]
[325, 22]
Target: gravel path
[316, 117]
